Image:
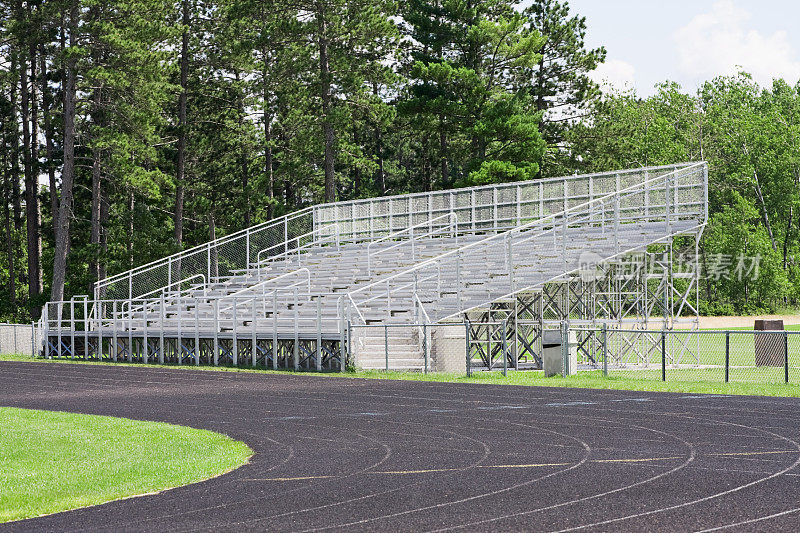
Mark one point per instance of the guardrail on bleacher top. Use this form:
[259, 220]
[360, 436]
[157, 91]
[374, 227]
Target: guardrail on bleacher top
[678, 196]
[488, 208]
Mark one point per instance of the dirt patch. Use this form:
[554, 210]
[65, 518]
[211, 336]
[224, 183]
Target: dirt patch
[724, 322]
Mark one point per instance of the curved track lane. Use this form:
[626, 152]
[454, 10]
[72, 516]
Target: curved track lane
[373, 455]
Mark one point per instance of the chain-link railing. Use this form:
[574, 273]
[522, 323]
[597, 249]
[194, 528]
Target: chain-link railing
[744, 356]
[17, 339]
[212, 260]
[486, 208]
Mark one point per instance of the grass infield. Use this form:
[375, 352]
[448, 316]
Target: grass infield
[691, 381]
[54, 461]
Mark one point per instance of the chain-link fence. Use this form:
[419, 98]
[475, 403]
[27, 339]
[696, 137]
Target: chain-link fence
[409, 347]
[743, 356]
[17, 339]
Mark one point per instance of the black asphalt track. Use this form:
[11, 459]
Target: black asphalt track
[378, 455]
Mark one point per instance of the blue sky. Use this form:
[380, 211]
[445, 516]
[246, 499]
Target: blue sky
[692, 41]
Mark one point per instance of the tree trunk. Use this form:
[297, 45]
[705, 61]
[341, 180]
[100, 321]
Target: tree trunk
[243, 164]
[48, 137]
[34, 242]
[380, 178]
[181, 166]
[356, 168]
[212, 236]
[325, 92]
[268, 165]
[12, 284]
[760, 197]
[94, 264]
[443, 155]
[15, 188]
[131, 206]
[62, 238]
[103, 235]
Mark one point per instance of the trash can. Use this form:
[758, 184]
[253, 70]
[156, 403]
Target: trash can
[553, 356]
[769, 343]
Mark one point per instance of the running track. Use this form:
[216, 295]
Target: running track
[373, 455]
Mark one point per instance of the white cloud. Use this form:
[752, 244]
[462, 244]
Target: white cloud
[616, 74]
[720, 43]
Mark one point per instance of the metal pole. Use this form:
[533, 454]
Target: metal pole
[786, 355]
[114, 331]
[275, 329]
[72, 328]
[503, 345]
[349, 339]
[144, 332]
[216, 331]
[386, 344]
[319, 334]
[469, 363]
[178, 343]
[196, 332]
[85, 330]
[727, 356]
[564, 348]
[342, 340]
[425, 346]
[605, 349]
[161, 333]
[296, 334]
[46, 346]
[663, 355]
[130, 332]
[253, 340]
[235, 339]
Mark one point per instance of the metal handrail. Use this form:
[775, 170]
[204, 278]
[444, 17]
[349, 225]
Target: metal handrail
[298, 248]
[453, 224]
[518, 229]
[161, 289]
[267, 282]
[221, 240]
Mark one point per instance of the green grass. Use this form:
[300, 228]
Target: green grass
[54, 461]
[695, 381]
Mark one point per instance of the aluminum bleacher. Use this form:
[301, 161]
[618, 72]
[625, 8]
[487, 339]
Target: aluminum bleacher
[310, 290]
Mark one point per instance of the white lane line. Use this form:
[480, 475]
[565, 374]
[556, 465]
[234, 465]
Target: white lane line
[753, 521]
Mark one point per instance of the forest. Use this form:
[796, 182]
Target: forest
[132, 129]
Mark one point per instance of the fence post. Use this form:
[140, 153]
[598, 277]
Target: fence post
[425, 346]
[46, 344]
[275, 330]
[564, 348]
[727, 356]
[33, 339]
[235, 347]
[342, 337]
[786, 355]
[386, 344]
[663, 355]
[216, 331]
[319, 334]
[503, 348]
[469, 363]
[161, 357]
[605, 349]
